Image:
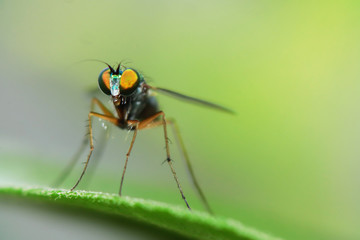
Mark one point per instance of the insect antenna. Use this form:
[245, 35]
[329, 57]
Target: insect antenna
[95, 60]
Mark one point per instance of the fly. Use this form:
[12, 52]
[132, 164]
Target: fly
[136, 109]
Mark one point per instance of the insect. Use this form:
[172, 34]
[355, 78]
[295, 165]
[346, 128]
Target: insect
[136, 109]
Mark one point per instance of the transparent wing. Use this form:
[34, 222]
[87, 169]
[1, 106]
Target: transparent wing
[192, 99]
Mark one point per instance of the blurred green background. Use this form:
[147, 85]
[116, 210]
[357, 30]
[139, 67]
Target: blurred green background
[287, 163]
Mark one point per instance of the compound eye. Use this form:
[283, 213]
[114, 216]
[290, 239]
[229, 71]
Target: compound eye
[104, 81]
[129, 81]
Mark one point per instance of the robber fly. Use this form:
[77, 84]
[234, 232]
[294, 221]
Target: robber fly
[137, 109]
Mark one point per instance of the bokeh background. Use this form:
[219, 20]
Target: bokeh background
[287, 163]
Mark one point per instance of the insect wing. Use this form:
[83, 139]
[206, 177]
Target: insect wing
[192, 99]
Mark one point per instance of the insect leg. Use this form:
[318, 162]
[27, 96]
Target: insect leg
[136, 123]
[185, 155]
[145, 124]
[78, 153]
[111, 119]
[101, 106]
[100, 144]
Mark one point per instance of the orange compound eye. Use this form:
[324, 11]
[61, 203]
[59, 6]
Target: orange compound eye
[129, 81]
[104, 81]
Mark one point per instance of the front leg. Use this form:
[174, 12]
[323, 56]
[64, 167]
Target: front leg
[136, 124]
[108, 117]
[65, 173]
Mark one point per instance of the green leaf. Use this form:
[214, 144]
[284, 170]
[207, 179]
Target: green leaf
[194, 224]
